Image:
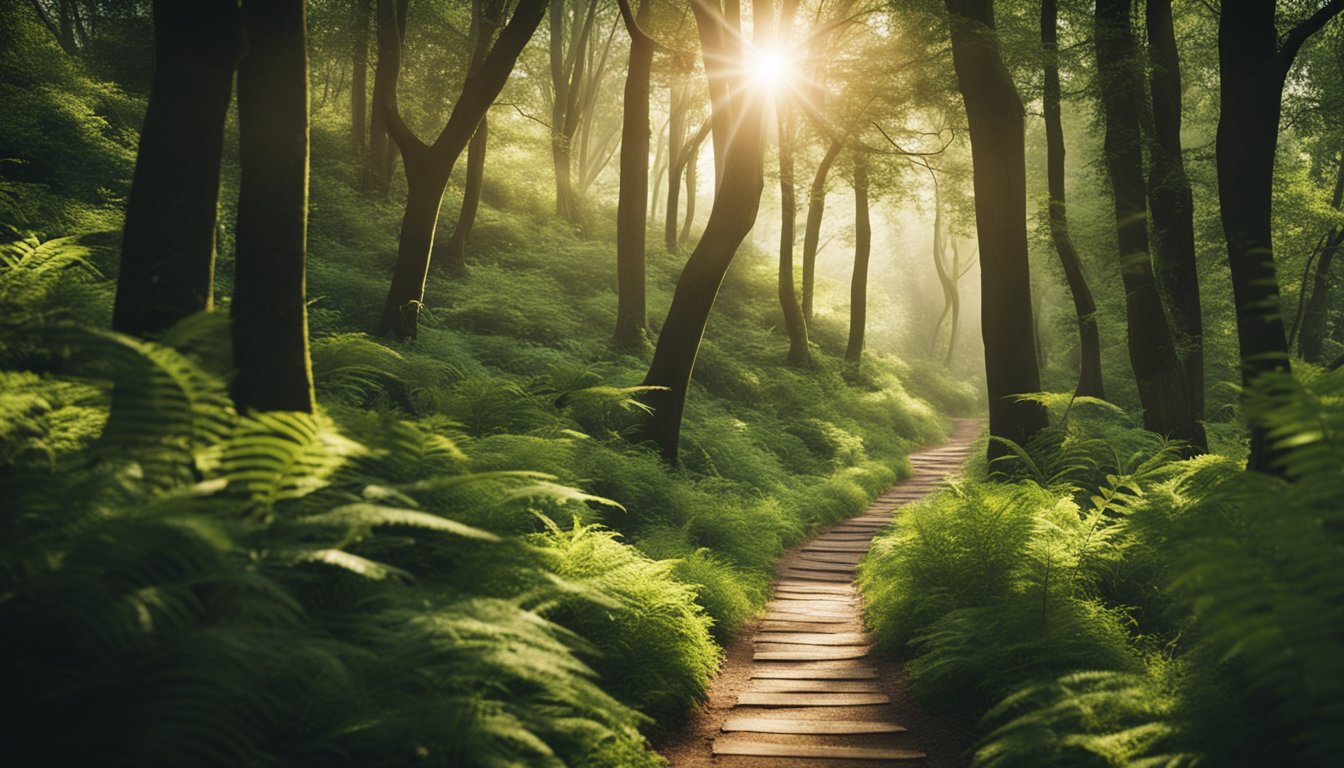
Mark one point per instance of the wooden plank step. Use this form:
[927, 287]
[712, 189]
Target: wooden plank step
[770, 749]
[810, 618]
[814, 638]
[777, 652]
[839, 578]
[783, 725]
[809, 586]
[748, 699]
[814, 686]
[805, 565]
[800, 671]
[809, 606]
[775, 625]
[858, 547]
[816, 597]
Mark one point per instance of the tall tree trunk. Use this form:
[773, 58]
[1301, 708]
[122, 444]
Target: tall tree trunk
[816, 206]
[486, 18]
[692, 184]
[1090, 382]
[631, 214]
[269, 310]
[1253, 63]
[1152, 352]
[736, 203]
[863, 244]
[1312, 342]
[794, 323]
[567, 77]
[994, 115]
[1173, 208]
[954, 296]
[676, 164]
[359, 85]
[429, 166]
[390, 25]
[168, 243]
[939, 263]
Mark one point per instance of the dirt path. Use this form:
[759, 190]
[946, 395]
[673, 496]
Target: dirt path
[800, 685]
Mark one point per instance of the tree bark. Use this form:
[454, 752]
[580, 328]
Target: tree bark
[794, 323]
[359, 85]
[429, 166]
[390, 25]
[168, 243]
[863, 243]
[1152, 351]
[1173, 207]
[994, 115]
[954, 297]
[631, 211]
[731, 218]
[692, 183]
[486, 20]
[567, 76]
[1253, 64]
[676, 164]
[1090, 383]
[1311, 344]
[269, 309]
[816, 206]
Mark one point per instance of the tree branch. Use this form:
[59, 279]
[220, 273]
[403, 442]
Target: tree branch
[1298, 35]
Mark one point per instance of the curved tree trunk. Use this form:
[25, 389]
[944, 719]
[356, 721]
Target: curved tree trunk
[995, 116]
[631, 213]
[816, 206]
[168, 243]
[939, 264]
[954, 297]
[1090, 382]
[863, 244]
[269, 311]
[429, 166]
[1253, 64]
[390, 23]
[736, 203]
[359, 84]
[1173, 208]
[1152, 352]
[692, 188]
[794, 322]
[676, 163]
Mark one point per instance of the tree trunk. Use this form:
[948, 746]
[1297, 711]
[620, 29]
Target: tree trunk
[1173, 208]
[692, 185]
[1090, 382]
[631, 213]
[1152, 352]
[954, 296]
[816, 206]
[567, 76]
[428, 167]
[863, 243]
[1253, 63]
[676, 149]
[1312, 342]
[168, 243]
[390, 24]
[994, 115]
[794, 323]
[269, 310]
[731, 218]
[486, 17]
[939, 263]
[359, 85]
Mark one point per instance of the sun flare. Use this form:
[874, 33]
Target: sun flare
[771, 68]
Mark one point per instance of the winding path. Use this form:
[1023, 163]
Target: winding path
[801, 687]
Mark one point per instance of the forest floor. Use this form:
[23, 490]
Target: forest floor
[801, 686]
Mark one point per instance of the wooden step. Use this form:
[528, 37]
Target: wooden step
[810, 618]
[814, 686]
[748, 699]
[811, 586]
[834, 578]
[812, 671]
[815, 638]
[781, 652]
[770, 749]
[783, 725]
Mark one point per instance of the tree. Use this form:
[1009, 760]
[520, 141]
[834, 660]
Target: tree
[816, 208]
[486, 17]
[168, 243]
[863, 243]
[1172, 204]
[1253, 62]
[1152, 351]
[359, 85]
[269, 311]
[737, 129]
[429, 166]
[1090, 382]
[390, 25]
[994, 115]
[632, 213]
[1311, 343]
[794, 322]
[568, 66]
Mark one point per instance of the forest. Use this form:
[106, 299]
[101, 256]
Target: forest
[479, 382]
